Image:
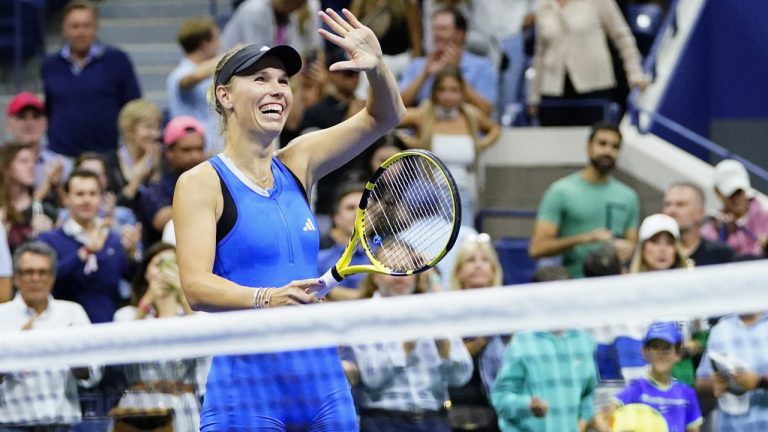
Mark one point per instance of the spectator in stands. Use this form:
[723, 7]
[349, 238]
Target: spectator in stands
[5, 268]
[659, 246]
[27, 123]
[684, 202]
[742, 339]
[403, 384]
[120, 216]
[572, 59]
[86, 84]
[676, 401]
[24, 216]
[742, 222]
[187, 85]
[138, 158]
[93, 259]
[272, 22]
[397, 24]
[184, 139]
[477, 266]
[449, 32]
[338, 104]
[381, 150]
[603, 262]
[333, 244]
[589, 208]
[41, 399]
[157, 293]
[455, 131]
[546, 382]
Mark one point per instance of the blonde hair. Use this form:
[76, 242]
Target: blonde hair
[212, 98]
[467, 250]
[638, 264]
[135, 111]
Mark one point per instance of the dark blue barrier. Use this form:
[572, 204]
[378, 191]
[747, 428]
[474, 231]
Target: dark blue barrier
[518, 267]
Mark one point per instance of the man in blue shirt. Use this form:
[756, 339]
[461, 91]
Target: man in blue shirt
[744, 340]
[86, 84]
[92, 258]
[187, 85]
[449, 30]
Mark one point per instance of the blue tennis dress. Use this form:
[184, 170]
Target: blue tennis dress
[273, 241]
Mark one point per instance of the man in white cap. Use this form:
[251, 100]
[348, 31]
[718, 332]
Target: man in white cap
[742, 222]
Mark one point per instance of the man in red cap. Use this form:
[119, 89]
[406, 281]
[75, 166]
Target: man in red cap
[184, 147]
[27, 122]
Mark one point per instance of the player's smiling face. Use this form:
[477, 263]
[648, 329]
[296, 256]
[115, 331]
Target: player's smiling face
[261, 99]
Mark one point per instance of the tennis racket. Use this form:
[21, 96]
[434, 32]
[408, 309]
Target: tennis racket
[408, 219]
[637, 417]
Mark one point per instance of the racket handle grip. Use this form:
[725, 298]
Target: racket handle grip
[329, 281]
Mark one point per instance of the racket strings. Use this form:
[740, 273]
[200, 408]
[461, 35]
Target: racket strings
[410, 214]
[436, 205]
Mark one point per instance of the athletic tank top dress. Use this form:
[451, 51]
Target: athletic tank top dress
[269, 239]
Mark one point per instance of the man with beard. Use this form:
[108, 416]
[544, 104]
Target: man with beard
[589, 208]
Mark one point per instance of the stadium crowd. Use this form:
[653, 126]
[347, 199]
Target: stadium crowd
[89, 171]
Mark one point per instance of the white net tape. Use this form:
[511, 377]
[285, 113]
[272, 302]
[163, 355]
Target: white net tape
[587, 303]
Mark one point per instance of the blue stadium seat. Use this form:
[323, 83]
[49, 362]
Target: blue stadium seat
[513, 254]
[607, 363]
[629, 353]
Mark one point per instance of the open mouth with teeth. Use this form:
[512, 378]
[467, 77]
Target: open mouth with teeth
[273, 111]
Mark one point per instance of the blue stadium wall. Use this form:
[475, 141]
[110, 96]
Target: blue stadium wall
[720, 86]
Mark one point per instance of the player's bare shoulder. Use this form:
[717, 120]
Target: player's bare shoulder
[199, 185]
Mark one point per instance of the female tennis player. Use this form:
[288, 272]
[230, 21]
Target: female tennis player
[246, 236]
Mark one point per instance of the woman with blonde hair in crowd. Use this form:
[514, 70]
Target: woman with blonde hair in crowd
[455, 131]
[659, 246]
[138, 157]
[477, 265]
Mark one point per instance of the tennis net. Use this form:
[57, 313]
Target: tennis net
[156, 369]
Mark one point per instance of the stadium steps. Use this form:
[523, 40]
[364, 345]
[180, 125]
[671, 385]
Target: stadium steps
[146, 30]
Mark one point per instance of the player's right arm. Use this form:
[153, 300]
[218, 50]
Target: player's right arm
[545, 241]
[197, 206]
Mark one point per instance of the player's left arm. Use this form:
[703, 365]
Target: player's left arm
[313, 155]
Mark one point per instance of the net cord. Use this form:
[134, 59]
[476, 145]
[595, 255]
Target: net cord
[585, 303]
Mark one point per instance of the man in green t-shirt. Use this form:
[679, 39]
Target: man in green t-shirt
[586, 209]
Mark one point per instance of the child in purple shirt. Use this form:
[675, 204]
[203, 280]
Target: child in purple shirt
[674, 400]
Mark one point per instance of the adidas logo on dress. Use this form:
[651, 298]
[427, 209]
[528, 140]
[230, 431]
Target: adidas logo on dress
[308, 226]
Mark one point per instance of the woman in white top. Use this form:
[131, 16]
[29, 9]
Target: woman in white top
[572, 59]
[453, 130]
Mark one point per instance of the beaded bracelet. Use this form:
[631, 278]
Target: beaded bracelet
[261, 298]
